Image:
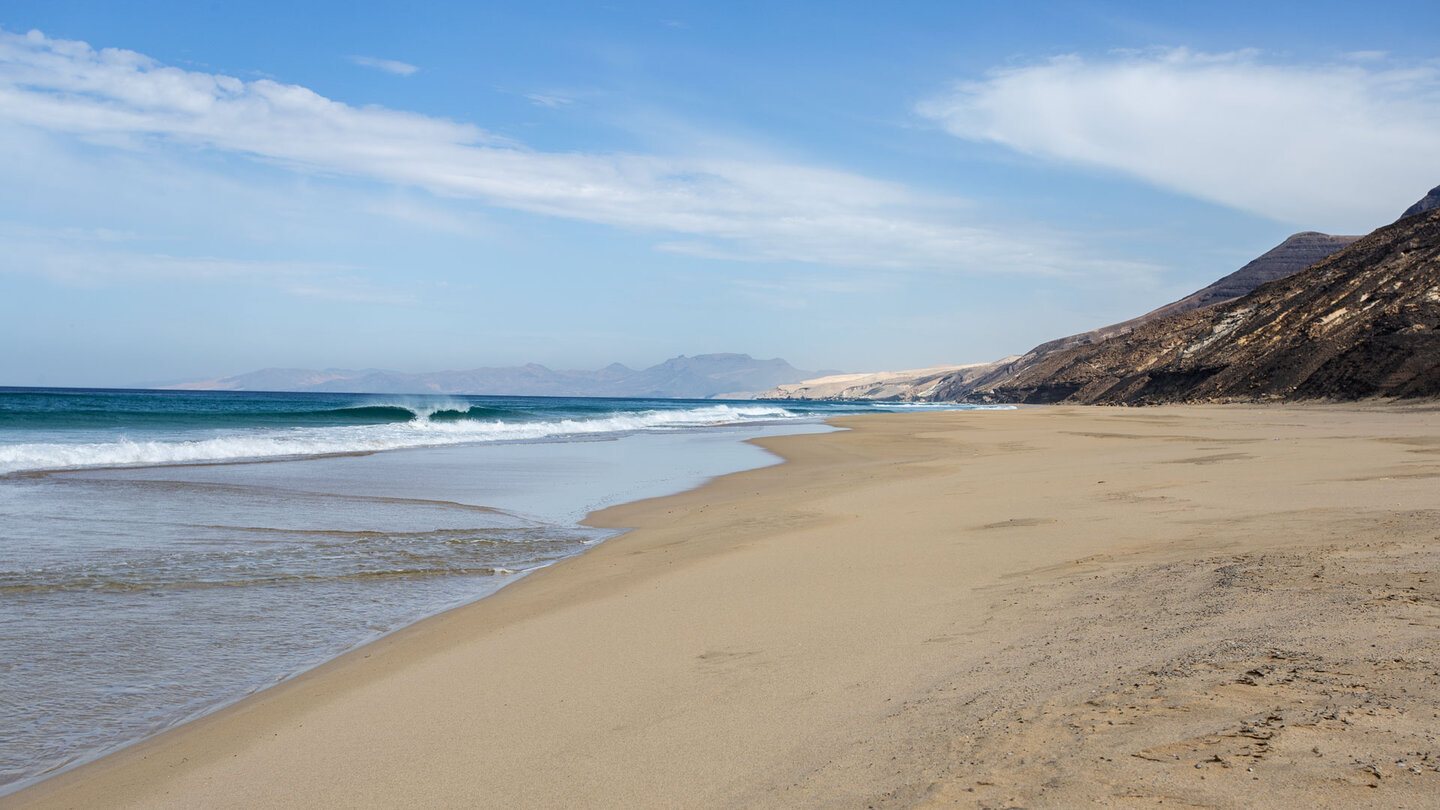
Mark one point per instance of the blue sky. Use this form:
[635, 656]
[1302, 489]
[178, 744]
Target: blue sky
[196, 189]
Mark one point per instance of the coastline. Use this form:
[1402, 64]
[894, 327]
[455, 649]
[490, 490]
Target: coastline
[432, 501]
[861, 623]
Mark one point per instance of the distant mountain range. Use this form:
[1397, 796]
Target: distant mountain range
[1318, 316]
[700, 377]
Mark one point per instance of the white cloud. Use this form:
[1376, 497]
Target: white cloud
[387, 65]
[750, 209]
[1341, 147]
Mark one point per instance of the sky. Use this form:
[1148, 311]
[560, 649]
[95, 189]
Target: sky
[197, 189]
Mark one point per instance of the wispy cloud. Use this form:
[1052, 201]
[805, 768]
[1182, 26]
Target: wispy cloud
[548, 101]
[751, 209]
[387, 65]
[1342, 146]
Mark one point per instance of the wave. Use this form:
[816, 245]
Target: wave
[99, 413]
[421, 429]
[380, 413]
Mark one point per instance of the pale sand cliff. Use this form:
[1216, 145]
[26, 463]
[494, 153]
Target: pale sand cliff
[1204, 606]
[915, 383]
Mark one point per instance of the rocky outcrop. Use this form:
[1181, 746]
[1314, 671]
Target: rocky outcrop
[1364, 322]
[1429, 202]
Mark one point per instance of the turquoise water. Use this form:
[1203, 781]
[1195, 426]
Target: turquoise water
[43, 429]
[165, 553]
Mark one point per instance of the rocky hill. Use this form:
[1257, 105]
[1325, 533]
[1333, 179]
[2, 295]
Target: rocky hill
[1429, 202]
[1294, 254]
[1360, 323]
[1290, 255]
[698, 377]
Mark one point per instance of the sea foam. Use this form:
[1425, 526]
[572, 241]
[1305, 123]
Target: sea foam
[421, 431]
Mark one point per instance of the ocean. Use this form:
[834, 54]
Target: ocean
[165, 553]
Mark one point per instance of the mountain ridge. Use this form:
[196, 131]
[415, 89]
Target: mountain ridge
[1022, 378]
[1363, 322]
[1296, 252]
[1429, 202]
[693, 377]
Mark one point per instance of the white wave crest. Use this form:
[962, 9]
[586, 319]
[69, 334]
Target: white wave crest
[422, 407]
[420, 432]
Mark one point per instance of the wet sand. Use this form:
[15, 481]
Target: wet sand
[1203, 606]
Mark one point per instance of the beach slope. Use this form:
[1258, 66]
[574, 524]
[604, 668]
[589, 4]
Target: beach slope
[1219, 606]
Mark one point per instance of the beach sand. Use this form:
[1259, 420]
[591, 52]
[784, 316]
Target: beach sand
[1195, 606]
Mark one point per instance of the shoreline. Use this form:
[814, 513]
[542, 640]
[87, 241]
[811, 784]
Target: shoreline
[36, 790]
[796, 634]
[715, 453]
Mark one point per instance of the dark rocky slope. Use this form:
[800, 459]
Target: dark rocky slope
[1361, 323]
[1293, 255]
[1429, 202]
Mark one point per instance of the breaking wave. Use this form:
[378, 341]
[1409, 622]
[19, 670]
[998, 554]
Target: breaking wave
[422, 426]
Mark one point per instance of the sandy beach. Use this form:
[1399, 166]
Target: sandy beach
[1204, 606]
